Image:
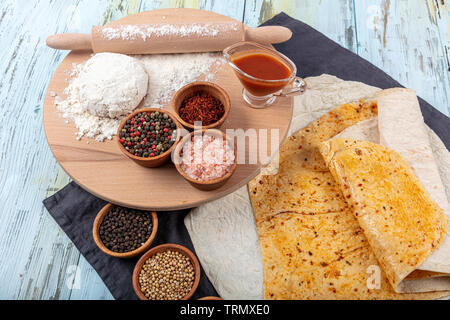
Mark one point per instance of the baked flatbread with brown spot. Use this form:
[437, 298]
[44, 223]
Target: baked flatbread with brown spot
[400, 220]
[312, 244]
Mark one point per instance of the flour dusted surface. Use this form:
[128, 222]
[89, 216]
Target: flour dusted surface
[170, 72]
[167, 73]
[133, 32]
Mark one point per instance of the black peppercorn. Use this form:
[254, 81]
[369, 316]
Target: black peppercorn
[124, 230]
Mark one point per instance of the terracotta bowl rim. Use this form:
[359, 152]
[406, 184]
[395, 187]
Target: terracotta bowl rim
[222, 92]
[176, 156]
[96, 234]
[162, 155]
[164, 247]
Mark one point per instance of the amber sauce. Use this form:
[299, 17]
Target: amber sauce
[262, 66]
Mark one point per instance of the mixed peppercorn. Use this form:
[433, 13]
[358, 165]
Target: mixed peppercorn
[148, 134]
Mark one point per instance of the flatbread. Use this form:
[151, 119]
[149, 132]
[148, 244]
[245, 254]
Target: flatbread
[366, 130]
[400, 220]
[206, 223]
[402, 129]
[229, 223]
[325, 93]
[312, 245]
[399, 111]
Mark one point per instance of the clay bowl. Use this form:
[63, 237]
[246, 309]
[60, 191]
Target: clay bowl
[161, 248]
[209, 87]
[207, 185]
[210, 298]
[155, 161]
[96, 229]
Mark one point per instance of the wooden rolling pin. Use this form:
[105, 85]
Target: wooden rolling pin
[167, 38]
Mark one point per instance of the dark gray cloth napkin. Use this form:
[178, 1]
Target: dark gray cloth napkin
[314, 54]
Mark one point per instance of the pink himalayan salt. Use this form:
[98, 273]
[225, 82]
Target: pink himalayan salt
[207, 157]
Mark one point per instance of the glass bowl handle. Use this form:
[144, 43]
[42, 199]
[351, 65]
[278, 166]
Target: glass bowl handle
[296, 87]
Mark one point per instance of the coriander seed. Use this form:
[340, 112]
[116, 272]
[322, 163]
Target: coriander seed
[167, 275]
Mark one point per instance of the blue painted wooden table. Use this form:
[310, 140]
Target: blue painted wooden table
[408, 39]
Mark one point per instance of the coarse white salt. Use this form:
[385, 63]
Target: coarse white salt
[146, 31]
[207, 157]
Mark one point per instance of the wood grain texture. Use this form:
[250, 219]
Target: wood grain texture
[340, 28]
[36, 257]
[102, 169]
[34, 253]
[440, 15]
[401, 38]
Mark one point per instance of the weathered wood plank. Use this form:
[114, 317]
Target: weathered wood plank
[440, 15]
[334, 18]
[402, 38]
[230, 8]
[24, 181]
[117, 9]
[42, 252]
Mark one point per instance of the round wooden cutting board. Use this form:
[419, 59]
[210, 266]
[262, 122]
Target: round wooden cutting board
[101, 168]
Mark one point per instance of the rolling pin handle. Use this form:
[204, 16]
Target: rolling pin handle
[268, 35]
[70, 41]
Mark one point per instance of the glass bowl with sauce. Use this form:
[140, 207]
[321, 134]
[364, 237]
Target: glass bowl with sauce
[264, 73]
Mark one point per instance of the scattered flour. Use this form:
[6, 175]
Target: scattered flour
[170, 72]
[133, 32]
[167, 73]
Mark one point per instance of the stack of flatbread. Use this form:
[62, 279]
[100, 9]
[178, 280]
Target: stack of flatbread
[356, 210]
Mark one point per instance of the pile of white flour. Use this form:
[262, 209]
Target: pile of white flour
[167, 73]
[110, 85]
